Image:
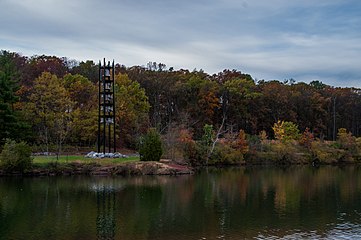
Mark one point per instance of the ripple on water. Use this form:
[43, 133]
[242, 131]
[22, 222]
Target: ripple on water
[340, 231]
[273, 234]
[345, 231]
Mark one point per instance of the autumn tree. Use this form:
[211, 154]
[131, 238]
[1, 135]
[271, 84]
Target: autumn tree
[274, 103]
[310, 108]
[286, 131]
[307, 138]
[49, 110]
[227, 74]
[237, 95]
[346, 140]
[131, 109]
[83, 94]
[202, 101]
[168, 99]
[36, 65]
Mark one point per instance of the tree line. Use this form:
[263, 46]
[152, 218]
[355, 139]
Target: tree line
[51, 101]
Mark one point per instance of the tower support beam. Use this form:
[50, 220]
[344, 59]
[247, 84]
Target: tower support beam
[106, 113]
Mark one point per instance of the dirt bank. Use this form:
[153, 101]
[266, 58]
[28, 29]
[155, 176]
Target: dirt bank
[124, 169]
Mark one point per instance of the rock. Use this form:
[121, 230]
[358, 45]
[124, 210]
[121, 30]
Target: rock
[165, 160]
[93, 154]
[43, 154]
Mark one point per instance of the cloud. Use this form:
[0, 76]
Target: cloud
[279, 39]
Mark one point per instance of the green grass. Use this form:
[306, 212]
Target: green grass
[64, 159]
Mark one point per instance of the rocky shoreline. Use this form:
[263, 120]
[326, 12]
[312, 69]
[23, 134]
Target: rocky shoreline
[93, 169]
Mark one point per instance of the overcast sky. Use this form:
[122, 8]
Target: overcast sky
[269, 39]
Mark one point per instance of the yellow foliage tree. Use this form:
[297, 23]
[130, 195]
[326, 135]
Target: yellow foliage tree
[279, 130]
[286, 131]
[50, 109]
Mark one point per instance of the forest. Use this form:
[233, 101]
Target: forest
[52, 102]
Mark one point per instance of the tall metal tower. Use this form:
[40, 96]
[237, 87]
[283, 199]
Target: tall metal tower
[106, 116]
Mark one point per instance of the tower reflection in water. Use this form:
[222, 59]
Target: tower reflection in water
[105, 221]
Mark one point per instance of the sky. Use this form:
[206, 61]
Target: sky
[270, 39]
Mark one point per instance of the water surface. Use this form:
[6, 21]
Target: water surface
[238, 203]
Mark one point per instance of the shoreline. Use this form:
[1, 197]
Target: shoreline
[94, 169]
[166, 168]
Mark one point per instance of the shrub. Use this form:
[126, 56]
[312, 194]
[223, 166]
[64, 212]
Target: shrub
[307, 138]
[207, 138]
[358, 147]
[325, 152]
[285, 153]
[264, 144]
[150, 148]
[346, 140]
[225, 154]
[281, 153]
[16, 156]
[195, 154]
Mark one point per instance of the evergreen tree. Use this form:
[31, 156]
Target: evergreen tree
[10, 124]
[151, 146]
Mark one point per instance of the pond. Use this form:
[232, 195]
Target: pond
[232, 203]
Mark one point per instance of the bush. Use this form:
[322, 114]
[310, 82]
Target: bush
[346, 141]
[281, 153]
[225, 154]
[16, 156]
[286, 153]
[195, 154]
[328, 153]
[150, 148]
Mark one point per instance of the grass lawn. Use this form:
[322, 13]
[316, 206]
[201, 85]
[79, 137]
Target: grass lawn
[63, 159]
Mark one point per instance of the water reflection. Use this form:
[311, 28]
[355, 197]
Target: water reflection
[105, 220]
[298, 202]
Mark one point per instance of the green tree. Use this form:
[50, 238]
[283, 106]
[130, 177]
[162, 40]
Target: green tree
[88, 69]
[237, 95]
[208, 141]
[208, 135]
[150, 148]
[132, 108]
[11, 124]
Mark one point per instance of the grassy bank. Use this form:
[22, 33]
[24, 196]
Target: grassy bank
[42, 161]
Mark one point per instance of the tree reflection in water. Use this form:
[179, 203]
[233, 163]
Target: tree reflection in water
[241, 203]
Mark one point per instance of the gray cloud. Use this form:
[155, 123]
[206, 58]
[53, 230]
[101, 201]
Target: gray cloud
[279, 39]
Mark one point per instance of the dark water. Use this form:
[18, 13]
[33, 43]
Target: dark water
[293, 203]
